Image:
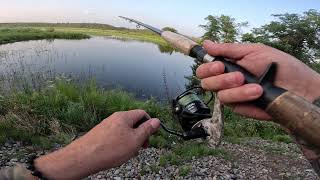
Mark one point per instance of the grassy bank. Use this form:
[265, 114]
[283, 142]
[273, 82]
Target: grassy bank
[140, 35]
[90, 30]
[11, 35]
[61, 110]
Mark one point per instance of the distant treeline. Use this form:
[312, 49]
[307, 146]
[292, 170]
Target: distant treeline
[74, 25]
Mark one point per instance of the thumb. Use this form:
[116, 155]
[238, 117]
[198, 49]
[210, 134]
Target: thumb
[145, 130]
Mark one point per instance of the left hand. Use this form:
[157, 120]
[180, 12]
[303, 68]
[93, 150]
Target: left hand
[111, 143]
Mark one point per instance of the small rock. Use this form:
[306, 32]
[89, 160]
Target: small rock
[14, 160]
[116, 172]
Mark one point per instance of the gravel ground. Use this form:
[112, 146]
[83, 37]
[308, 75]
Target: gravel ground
[253, 159]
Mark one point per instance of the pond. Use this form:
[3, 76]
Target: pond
[142, 68]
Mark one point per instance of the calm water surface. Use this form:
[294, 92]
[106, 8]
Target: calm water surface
[137, 67]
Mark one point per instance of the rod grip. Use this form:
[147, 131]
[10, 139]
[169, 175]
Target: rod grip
[179, 41]
[298, 115]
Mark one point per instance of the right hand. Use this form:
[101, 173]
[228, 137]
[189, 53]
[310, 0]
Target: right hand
[292, 75]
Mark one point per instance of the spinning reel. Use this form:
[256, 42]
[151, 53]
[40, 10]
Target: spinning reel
[190, 109]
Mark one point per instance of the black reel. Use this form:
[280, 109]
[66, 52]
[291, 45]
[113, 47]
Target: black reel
[189, 109]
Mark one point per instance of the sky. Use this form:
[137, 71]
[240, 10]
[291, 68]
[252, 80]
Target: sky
[184, 15]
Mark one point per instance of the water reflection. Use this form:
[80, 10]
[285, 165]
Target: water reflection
[140, 67]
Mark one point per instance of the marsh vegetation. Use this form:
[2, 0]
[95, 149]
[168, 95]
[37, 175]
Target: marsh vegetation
[45, 102]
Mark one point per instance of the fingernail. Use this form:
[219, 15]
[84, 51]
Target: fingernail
[253, 90]
[155, 123]
[231, 79]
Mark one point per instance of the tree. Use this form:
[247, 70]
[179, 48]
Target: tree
[169, 29]
[219, 29]
[296, 34]
[222, 28]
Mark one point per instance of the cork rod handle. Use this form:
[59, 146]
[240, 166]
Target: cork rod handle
[178, 41]
[298, 115]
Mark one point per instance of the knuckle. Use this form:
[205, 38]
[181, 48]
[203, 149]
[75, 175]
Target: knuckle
[260, 45]
[226, 45]
[138, 111]
[118, 114]
[205, 84]
[141, 111]
[146, 129]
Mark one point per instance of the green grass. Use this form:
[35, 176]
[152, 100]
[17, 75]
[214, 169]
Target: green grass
[184, 170]
[141, 35]
[239, 127]
[189, 150]
[62, 109]
[154, 168]
[59, 111]
[67, 29]
[11, 35]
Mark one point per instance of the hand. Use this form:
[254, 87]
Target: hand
[292, 75]
[109, 144]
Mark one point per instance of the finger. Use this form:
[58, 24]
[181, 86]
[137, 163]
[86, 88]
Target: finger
[145, 130]
[223, 81]
[247, 92]
[210, 69]
[134, 116]
[230, 50]
[250, 111]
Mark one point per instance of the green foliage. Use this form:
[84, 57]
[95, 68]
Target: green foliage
[239, 127]
[296, 34]
[184, 170]
[62, 109]
[222, 28]
[169, 29]
[188, 150]
[282, 138]
[10, 35]
[69, 25]
[154, 168]
[159, 141]
[218, 29]
[50, 29]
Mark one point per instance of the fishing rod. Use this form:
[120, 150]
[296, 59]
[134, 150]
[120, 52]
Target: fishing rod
[293, 112]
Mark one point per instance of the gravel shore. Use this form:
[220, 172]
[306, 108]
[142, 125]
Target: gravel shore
[253, 159]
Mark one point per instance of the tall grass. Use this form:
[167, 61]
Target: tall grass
[62, 109]
[10, 35]
[239, 127]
